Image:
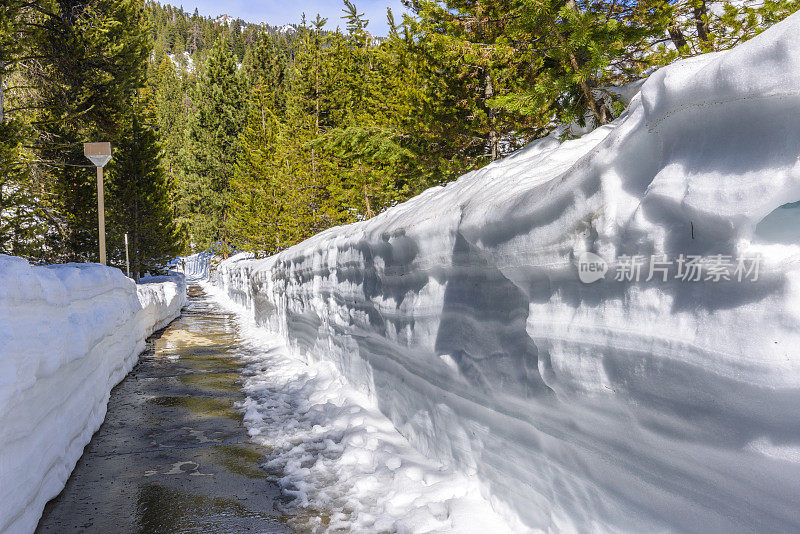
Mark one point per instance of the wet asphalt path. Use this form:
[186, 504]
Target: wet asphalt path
[173, 455]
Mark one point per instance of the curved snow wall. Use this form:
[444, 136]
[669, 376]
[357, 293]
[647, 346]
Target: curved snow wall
[197, 265]
[661, 405]
[68, 334]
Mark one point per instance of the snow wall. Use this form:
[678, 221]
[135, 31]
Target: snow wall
[611, 406]
[68, 334]
[197, 265]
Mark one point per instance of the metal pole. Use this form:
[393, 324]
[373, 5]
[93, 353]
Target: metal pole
[101, 215]
[127, 260]
[2, 109]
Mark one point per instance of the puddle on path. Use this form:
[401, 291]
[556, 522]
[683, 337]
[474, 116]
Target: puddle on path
[173, 455]
[201, 406]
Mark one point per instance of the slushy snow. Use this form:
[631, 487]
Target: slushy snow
[339, 460]
[68, 334]
[613, 406]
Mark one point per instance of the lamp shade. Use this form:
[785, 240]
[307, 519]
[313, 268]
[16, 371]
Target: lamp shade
[98, 153]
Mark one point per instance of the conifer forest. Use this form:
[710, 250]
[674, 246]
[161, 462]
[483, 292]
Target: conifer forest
[237, 136]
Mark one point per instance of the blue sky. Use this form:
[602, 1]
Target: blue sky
[277, 12]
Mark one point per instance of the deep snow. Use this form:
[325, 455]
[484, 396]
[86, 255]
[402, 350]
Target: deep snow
[197, 266]
[68, 334]
[613, 406]
[337, 457]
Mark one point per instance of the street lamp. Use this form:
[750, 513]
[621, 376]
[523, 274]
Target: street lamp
[99, 154]
[127, 259]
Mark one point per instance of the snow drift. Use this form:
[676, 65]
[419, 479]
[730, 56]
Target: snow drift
[197, 265]
[627, 405]
[339, 462]
[68, 334]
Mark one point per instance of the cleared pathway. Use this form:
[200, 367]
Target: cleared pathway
[173, 455]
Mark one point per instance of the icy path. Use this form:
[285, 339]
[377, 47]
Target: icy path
[340, 460]
[173, 455]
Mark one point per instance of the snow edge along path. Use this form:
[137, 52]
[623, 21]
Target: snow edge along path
[68, 334]
[613, 406]
[337, 455]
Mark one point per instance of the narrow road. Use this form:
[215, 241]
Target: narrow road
[173, 455]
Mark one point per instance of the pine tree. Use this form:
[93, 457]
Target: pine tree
[259, 190]
[700, 26]
[94, 56]
[139, 204]
[266, 64]
[576, 49]
[309, 112]
[211, 142]
[12, 132]
[170, 110]
[469, 62]
[359, 139]
[327, 127]
[21, 230]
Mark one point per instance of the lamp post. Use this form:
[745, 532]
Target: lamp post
[127, 259]
[99, 154]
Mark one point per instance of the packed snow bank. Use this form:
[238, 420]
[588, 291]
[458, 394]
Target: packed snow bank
[68, 334]
[161, 299]
[197, 265]
[657, 400]
[341, 462]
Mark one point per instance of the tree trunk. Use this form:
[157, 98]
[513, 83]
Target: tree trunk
[316, 94]
[494, 138]
[701, 21]
[674, 30]
[316, 117]
[135, 240]
[14, 233]
[16, 248]
[599, 114]
[676, 35]
[2, 108]
[369, 213]
[587, 92]
[263, 117]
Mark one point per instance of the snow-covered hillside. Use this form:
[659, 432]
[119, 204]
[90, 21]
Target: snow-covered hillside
[657, 398]
[68, 334]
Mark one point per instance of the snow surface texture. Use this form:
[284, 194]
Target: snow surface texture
[341, 460]
[197, 266]
[68, 334]
[613, 406]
